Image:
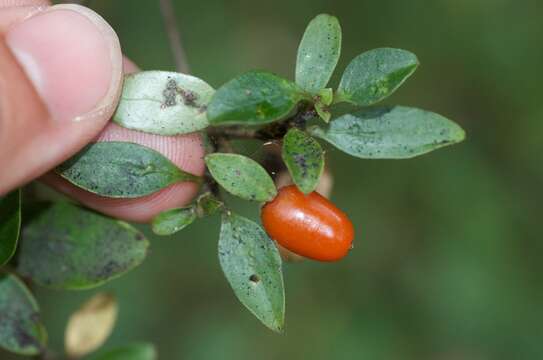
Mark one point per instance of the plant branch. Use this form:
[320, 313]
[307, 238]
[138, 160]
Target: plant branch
[78, 2]
[174, 37]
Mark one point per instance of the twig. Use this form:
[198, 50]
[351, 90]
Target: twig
[172, 29]
[78, 2]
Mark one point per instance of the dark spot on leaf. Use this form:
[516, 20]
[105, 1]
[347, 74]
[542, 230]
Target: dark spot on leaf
[254, 278]
[172, 85]
[169, 94]
[35, 317]
[189, 97]
[139, 237]
[24, 340]
[301, 162]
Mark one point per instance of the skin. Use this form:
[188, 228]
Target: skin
[61, 71]
[308, 225]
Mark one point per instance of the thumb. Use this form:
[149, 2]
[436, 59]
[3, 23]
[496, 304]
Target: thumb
[60, 80]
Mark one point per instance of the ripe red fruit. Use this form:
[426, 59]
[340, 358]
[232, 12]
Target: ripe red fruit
[308, 225]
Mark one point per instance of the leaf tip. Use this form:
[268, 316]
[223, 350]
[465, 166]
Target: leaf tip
[277, 323]
[460, 134]
[327, 17]
[278, 329]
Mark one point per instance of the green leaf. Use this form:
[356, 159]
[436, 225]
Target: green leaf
[318, 53]
[254, 98]
[121, 170]
[374, 75]
[21, 330]
[164, 103]
[252, 265]
[241, 176]
[10, 225]
[323, 112]
[304, 158]
[208, 204]
[129, 352]
[65, 246]
[323, 100]
[171, 221]
[390, 132]
[325, 96]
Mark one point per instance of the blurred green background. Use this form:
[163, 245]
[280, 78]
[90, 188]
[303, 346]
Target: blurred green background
[447, 256]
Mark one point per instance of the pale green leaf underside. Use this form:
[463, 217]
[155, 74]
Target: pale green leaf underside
[65, 246]
[252, 265]
[121, 170]
[254, 98]
[375, 74]
[141, 351]
[164, 103]
[10, 224]
[390, 132]
[171, 221]
[21, 330]
[241, 176]
[318, 53]
[304, 159]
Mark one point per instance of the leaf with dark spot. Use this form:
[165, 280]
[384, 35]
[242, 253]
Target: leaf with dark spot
[65, 246]
[304, 159]
[241, 176]
[10, 224]
[21, 330]
[374, 75]
[390, 132]
[252, 265]
[121, 170]
[164, 103]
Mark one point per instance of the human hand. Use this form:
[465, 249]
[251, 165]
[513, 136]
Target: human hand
[61, 70]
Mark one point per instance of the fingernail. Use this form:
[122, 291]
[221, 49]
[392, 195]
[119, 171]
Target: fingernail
[73, 58]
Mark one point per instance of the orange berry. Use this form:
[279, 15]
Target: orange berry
[308, 225]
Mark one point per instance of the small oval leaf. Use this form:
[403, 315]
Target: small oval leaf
[318, 53]
[164, 103]
[121, 170]
[252, 265]
[390, 132]
[325, 96]
[21, 330]
[65, 246]
[323, 112]
[171, 221]
[241, 176]
[256, 97]
[304, 158]
[129, 352]
[374, 75]
[90, 326]
[10, 225]
[208, 204]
